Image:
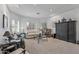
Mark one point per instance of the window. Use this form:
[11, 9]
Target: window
[17, 26]
[13, 26]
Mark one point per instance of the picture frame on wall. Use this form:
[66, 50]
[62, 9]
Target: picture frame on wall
[5, 21]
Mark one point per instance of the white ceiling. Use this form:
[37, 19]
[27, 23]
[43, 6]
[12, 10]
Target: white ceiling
[45, 10]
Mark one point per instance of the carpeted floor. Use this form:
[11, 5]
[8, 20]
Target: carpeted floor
[50, 46]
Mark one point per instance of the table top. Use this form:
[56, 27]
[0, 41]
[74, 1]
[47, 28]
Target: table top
[18, 51]
[10, 47]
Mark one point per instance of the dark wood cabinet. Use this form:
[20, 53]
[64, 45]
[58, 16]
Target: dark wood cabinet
[66, 31]
[72, 31]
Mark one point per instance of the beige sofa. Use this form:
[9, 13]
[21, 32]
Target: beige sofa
[32, 34]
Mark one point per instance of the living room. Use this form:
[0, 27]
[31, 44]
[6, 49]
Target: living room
[39, 28]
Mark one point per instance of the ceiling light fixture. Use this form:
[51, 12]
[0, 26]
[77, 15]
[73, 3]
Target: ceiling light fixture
[37, 13]
[51, 9]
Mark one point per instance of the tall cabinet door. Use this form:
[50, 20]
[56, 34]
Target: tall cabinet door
[72, 31]
[64, 31]
[57, 25]
[61, 31]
